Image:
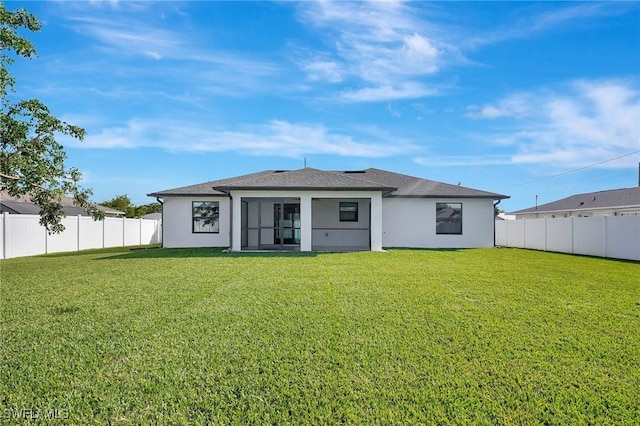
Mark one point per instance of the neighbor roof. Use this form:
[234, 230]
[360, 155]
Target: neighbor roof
[615, 198]
[24, 205]
[391, 184]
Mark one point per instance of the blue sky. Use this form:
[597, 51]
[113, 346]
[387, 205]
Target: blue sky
[498, 96]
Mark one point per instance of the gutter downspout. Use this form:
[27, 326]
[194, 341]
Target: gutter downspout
[230, 216]
[158, 199]
[494, 222]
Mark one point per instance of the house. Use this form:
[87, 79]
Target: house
[315, 210]
[24, 205]
[615, 202]
[153, 216]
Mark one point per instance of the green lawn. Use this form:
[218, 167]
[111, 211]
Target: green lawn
[495, 336]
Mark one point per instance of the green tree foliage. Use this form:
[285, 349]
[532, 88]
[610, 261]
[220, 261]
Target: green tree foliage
[148, 208]
[123, 203]
[32, 162]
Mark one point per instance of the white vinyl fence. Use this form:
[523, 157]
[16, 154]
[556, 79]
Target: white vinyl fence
[22, 235]
[603, 236]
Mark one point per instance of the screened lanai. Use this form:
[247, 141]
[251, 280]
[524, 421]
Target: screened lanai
[275, 223]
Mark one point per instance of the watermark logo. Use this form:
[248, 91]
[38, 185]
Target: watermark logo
[35, 414]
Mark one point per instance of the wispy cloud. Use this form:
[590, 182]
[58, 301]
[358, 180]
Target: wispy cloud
[126, 38]
[277, 138]
[381, 48]
[463, 160]
[385, 46]
[405, 90]
[179, 54]
[537, 21]
[583, 122]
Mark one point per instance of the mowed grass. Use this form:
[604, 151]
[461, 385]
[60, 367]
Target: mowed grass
[162, 336]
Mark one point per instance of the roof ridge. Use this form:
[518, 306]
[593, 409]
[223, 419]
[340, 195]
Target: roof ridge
[244, 178]
[343, 174]
[304, 177]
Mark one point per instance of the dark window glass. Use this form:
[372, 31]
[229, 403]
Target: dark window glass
[206, 215]
[348, 212]
[448, 218]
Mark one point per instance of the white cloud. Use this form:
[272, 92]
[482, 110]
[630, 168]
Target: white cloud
[274, 138]
[409, 90]
[536, 21]
[583, 122]
[384, 45]
[462, 160]
[129, 37]
[183, 54]
[326, 70]
[516, 105]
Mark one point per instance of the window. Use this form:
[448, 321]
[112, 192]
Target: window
[448, 218]
[205, 217]
[348, 212]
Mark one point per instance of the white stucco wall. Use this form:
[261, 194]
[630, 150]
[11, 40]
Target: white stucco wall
[177, 223]
[328, 231]
[411, 222]
[405, 222]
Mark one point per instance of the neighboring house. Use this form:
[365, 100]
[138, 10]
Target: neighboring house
[24, 205]
[505, 216]
[615, 202]
[153, 216]
[315, 210]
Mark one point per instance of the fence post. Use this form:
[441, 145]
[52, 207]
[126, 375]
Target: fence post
[140, 233]
[78, 236]
[5, 217]
[124, 225]
[573, 233]
[506, 235]
[606, 241]
[46, 242]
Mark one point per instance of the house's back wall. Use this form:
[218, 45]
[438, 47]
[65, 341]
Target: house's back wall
[178, 222]
[411, 222]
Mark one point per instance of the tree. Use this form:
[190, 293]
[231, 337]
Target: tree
[120, 202]
[148, 208]
[32, 162]
[123, 203]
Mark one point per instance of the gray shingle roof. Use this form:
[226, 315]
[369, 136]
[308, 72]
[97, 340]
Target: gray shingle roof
[206, 188]
[410, 186]
[307, 178]
[391, 184]
[24, 205]
[615, 198]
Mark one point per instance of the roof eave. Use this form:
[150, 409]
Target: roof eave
[301, 188]
[189, 194]
[491, 197]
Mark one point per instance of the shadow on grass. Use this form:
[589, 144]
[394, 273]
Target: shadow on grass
[214, 252]
[169, 253]
[109, 250]
[425, 249]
